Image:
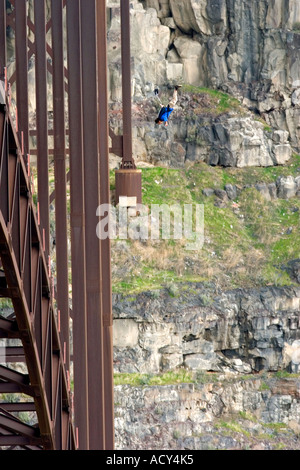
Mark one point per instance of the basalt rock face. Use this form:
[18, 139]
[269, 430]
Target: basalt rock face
[250, 48]
[247, 49]
[228, 141]
[243, 330]
[233, 344]
[232, 414]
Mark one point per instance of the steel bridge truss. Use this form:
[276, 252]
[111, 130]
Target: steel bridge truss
[56, 360]
[31, 333]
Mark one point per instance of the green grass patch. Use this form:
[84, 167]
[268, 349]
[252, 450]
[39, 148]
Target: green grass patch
[219, 102]
[232, 426]
[152, 279]
[247, 241]
[164, 186]
[202, 377]
[276, 427]
[296, 27]
[248, 416]
[264, 386]
[168, 378]
[282, 374]
[254, 175]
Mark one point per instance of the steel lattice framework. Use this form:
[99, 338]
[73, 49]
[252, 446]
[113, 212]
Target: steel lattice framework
[45, 339]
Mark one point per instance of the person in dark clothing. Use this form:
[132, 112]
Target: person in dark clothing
[165, 111]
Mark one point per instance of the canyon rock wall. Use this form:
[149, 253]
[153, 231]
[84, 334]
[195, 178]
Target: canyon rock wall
[242, 330]
[247, 49]
[234, 344]
[257, 413]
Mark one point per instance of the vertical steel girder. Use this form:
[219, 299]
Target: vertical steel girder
[128, 178]
[127, 160]
[80, 137]
[42, 121]
[93, 245]
[79, 302]
[101, 22]
[60, 172]
[21, 75]
[3, 59]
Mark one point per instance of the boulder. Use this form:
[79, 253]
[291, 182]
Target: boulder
[263, 188]
[231, 191]
[296, 97]
[190, 53]
[282, 153]
[293, 269]
[286, 187]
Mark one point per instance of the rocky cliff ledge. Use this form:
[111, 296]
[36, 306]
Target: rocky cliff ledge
[233, 344]
[249, 50]
[242, 330]
[214, 413]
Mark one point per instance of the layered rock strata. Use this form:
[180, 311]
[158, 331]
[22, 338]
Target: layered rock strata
[248, 49]
[223, 414]
[242, 330]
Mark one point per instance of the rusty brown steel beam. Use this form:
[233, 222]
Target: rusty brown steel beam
[13, 376]
[26, 249]
[127, 159]
[22, 74]
[31, 52]
[93, 246]
[12, 354]
[8, 328]
[4, 204]
[17, 406]
[105, 244]
[95, 189]
[37, 329]
[33, 132]
[10, 423]
[60, 174]
[77, 223]
[3, 59]
[128, 178]
[116, 143]
[48, 49]
[42, 131]
[14, 441]
[24, 325]
[9, 387]
[31, 45]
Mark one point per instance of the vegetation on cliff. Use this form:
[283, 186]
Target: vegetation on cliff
[248, 240]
